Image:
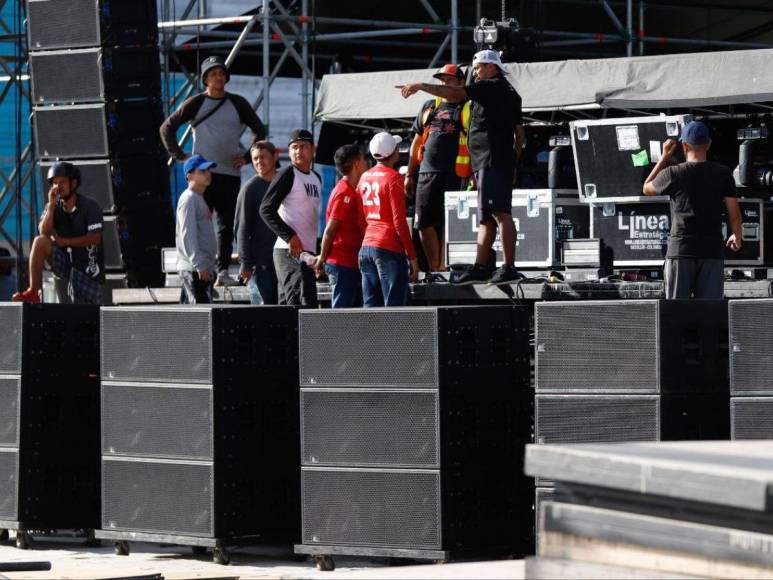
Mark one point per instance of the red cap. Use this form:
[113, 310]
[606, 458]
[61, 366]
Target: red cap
[450, 70]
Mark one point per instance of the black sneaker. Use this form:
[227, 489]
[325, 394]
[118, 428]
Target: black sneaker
[476, 275]
[505, 275]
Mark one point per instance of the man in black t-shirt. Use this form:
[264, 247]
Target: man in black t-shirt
[435, 151]
[70, 242]
[496, 138]
[700, 192]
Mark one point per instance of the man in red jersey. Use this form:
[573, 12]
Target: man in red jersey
[345, 226]
[385, 270]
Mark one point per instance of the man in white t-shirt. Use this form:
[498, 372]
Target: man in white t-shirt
[290, 208]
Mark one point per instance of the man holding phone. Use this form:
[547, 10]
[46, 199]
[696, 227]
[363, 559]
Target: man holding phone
[70, 242]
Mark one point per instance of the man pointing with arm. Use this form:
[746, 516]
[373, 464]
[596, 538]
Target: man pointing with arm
[496, 137]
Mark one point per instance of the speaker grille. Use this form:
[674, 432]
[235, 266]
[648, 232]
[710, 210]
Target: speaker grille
[56, 128]
[396, 509]
[394, 347]
[62, 23]
[9, 478]
[9, 411]
[751, 346]
[751, 418]
[10, 338]
[175, 498]
[81, 84]
[356, 428]
[148, 421]
[169, 344]
[596, 418]
[597, 346]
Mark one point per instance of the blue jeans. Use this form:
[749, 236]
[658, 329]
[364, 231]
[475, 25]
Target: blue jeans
[346, 283]
[384, 277]
[262, 286]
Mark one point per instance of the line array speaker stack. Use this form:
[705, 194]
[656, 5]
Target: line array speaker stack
[701, 509]
[95, 79]
[413, 422]
[751, 369]
[200, 426]
[49, 418]
[630, 370]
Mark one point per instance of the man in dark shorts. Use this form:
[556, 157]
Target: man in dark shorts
[495, 140]
[700, 191]
[438, 154]
[70, 242]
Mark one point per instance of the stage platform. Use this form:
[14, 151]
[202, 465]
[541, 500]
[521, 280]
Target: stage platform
[445, 293]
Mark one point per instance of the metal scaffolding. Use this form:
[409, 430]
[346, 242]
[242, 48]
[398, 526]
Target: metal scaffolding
[292, 27]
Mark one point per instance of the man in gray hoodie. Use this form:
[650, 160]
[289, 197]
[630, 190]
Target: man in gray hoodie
[195, 236]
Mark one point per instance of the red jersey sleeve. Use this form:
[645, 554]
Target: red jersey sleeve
[397, 201]
[342, 201]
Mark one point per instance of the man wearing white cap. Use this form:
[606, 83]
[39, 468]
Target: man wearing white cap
[387, 242]
[496, 138]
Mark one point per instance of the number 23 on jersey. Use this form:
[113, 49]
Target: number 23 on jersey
[370, 198]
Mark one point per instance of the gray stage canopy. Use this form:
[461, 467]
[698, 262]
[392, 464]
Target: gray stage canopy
[679, 81]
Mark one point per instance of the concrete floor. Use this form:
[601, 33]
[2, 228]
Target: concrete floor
[71, 560]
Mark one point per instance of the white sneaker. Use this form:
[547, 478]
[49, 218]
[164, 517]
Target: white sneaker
[224, 279]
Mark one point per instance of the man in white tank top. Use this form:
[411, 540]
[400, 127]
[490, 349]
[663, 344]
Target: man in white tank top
[291, 209]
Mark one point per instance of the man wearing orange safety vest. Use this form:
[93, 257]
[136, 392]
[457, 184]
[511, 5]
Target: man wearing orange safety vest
[439, 152]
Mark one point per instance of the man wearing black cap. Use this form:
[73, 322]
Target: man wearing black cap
[70, 242]
[290, 208]
[218, 119]
[442, 160]
[700, 191]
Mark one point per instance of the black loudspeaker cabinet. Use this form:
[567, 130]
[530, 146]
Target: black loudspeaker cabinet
[751, 417]
[632, 347]
[117, 129]
[751, 347]
[119, 184]
[133, 240]
[631, 146]
[49, 417]
[58, 24]
[94, 74]
[413, 422]
[200, 425]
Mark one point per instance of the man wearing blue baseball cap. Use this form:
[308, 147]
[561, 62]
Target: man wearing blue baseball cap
[700, 192]
[194, 235]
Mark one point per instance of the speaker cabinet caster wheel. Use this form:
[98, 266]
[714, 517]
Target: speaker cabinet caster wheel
[324, 563]
[121, 548]
[221, 556]
[23, 540]
[3, 535]
[199, 550]
[91, 541]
